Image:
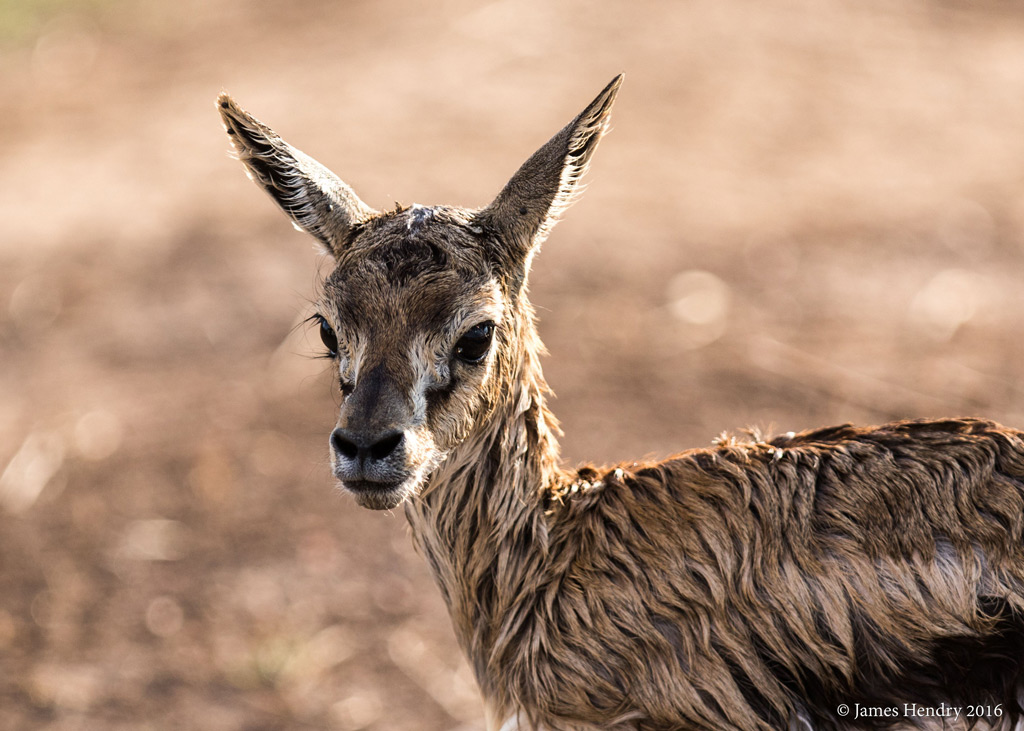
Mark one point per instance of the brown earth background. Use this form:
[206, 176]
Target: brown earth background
[808, 212]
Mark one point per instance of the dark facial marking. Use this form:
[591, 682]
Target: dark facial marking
[438, 398]
[411, 257]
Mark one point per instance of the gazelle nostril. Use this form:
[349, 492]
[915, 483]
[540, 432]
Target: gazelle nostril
[356, 447]
[343, 446]
[386, 446]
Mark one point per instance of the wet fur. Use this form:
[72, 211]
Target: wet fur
[752, 585]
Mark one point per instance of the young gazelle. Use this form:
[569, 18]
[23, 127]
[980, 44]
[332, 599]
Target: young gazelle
[833, 578]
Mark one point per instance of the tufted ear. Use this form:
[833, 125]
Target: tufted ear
[528, 207]
[314, 198]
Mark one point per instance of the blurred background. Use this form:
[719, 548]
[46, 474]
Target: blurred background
[808, 212]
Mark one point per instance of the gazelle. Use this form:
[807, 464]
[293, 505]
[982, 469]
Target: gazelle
[750, 585]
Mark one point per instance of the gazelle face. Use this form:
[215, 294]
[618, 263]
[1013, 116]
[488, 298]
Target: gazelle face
[425, 312]
[414, 319]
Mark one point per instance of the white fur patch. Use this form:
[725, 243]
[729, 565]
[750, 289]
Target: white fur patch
[512, 724]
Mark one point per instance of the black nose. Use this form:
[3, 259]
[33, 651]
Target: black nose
[359, 447]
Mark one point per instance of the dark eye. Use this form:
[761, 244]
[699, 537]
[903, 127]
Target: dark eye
[329, 337]
[472, 347]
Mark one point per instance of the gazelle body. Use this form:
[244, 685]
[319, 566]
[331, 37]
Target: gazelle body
[750, 585]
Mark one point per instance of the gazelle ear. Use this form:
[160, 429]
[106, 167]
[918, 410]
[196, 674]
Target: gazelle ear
[314, 198]
[528, 207]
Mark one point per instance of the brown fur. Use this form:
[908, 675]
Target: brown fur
[751, 585]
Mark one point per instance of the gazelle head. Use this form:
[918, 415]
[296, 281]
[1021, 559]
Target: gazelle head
[425, 312]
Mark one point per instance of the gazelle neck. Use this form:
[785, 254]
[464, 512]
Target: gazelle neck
[480, 520]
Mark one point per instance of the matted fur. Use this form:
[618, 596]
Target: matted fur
[751, 585]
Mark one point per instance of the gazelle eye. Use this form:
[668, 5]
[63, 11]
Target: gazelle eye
[473, 346]
[329, 337]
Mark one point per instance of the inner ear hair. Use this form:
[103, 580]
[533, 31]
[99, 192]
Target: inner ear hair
[531, 202]
[316, 200]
